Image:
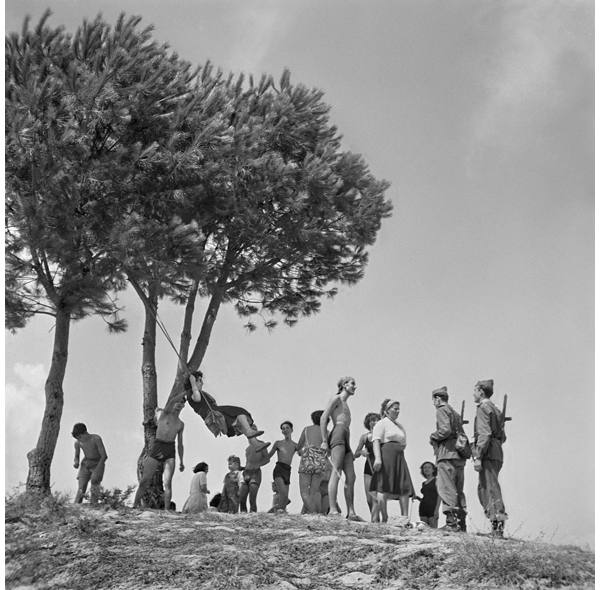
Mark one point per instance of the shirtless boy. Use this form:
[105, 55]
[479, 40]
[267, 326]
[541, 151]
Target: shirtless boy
[252, 477]
[92, 466]
[168, 428]
[338, 444]
[283, 468]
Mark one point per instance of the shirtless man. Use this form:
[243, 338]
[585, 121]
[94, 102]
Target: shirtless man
[338, 444]
[252, 477]
[168, 428]
[283, 468]
[92, 466]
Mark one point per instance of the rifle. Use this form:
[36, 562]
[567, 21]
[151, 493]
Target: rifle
[462, 413]
[505, 418]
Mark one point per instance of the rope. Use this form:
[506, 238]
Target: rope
[163, 329]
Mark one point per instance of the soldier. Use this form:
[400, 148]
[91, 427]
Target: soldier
[450, 465]
[487, 454]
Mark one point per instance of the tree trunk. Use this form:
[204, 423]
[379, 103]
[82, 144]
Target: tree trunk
[154, 495]
[201, 343]
[185, 339]
[40, 458]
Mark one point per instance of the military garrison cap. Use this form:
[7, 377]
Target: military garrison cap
[487, 385]
[441, 392]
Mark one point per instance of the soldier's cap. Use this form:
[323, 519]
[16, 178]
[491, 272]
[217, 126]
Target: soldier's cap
[440, 392]
[487, 385]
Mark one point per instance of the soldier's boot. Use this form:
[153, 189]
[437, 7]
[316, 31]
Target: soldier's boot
[451, 522]
[462, 520]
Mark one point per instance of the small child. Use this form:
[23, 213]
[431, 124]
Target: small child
[197, 501]
[230, 496]
[430, 501]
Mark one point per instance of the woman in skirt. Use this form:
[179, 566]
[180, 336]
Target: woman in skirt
[391, 479]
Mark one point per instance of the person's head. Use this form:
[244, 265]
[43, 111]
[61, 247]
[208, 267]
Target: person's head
[215, 500]
[316, 417]
[428, 469]
[347, 384]
[286, 427]
[390, 408]
[79, 429]
[440, 396]
[370, 420]
[234, 463]
[483, 390]
[202, 466]
[198, 376]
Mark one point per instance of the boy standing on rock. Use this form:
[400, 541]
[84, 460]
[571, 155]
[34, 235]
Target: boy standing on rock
[283, 468]
[92, 466]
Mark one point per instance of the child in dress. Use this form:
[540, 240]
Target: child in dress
[230, 496]
[197, 501]
[429, 502]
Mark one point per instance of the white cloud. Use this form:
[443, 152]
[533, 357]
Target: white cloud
[525, 76]
[25, 399]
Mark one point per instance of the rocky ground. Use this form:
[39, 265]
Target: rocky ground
[58, 545]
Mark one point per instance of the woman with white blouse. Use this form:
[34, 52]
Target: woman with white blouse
[392, 478]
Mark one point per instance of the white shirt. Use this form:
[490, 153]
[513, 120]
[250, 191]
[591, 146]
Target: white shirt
[388, 431]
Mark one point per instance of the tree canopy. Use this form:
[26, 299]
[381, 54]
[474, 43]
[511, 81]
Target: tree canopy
[123, 163]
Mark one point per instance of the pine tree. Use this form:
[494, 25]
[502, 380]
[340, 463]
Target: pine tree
[290, 214]
[86, 118]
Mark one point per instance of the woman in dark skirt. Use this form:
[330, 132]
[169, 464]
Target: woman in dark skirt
[391, 478]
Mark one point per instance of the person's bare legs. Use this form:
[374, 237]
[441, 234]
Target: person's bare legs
[367, 481]
[323, 490]
[253, 495]
[94, 491]
[244, 490]
[306, 491]
[350, 479]
[242, 424]
[382, 502]
[403, 500]
[315, 493]
[338, 453]
[82, 487]
[167, 482]
[281, 491]
[150, 466]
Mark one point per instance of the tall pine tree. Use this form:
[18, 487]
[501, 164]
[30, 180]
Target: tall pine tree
[84, 116]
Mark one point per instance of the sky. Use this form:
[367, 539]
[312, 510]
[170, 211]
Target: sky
[480, 114]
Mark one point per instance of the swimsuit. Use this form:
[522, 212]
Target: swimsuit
[86, 470]
[162, 450]
[282, 470]
[252, 476]
[340, 435]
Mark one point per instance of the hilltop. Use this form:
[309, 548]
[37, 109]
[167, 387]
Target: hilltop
[58, 545]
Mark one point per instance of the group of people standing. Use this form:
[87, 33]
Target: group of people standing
[326, 457]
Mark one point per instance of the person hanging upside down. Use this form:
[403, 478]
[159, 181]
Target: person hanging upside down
[228, 420]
